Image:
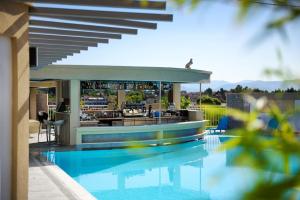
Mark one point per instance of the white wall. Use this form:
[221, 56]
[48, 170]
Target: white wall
[5, 116]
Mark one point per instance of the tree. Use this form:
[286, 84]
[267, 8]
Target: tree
[185, 102]
[135, 97]
[291, 90]
[165, 102]
[209, 100]
[208, 91]
[237, 89]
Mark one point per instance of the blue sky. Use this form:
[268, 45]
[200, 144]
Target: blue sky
[211, 36]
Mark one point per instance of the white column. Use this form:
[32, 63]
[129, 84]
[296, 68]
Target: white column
[5, 117]
[58, 92]
[200, 95]
[75, 109]
[159, 118]
[121, 98]
[176, 95]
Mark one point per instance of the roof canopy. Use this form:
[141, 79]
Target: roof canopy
[60, 28]
[124, 73]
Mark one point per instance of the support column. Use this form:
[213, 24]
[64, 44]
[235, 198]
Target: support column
[14, 22]
[200, 96]
[58, 92]
[32, 104]
[176, 95]
[159, 116]
[75, 109]
[121, 98]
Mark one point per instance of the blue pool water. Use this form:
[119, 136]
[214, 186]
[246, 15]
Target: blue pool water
[188, 171]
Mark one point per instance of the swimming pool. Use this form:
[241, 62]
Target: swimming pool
[193, 170]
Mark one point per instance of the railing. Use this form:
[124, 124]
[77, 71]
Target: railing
[213, 113]
[51, 111]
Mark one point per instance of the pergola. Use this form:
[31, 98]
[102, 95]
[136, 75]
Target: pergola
[61, 28]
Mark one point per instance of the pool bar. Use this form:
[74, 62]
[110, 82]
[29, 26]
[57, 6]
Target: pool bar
[121, 129]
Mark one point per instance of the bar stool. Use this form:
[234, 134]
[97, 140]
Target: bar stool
[49, 125]
[57, 125]
[41, 117]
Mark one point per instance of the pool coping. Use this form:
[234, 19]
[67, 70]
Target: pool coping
[67, 184]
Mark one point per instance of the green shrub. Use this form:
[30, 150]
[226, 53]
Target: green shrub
[185, 102]
[209, 100]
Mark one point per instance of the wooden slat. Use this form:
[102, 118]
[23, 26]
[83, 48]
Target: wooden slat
[155, 5]
[116, 22]
[62, 42]
[56, 45]
[46, 61]
[50, 59]
[43, 60]
[60, 48]
[40, 11]
[54, 54]
[42, 50]
[83, 27]
[74, 33]
[58, 56]
[66, 38]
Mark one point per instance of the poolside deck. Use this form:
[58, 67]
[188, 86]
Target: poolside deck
[48, 182]
[41, 186]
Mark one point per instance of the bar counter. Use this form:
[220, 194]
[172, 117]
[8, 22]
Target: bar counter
[132, 121]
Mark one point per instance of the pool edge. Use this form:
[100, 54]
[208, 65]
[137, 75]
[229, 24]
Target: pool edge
[63, 181]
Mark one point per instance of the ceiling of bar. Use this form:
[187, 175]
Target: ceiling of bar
[61, 28]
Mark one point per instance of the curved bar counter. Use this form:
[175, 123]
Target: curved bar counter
[135, 136]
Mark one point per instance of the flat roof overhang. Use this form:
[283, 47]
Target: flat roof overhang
[122, 73]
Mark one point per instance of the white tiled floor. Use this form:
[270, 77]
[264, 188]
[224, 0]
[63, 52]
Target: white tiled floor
[41, 187]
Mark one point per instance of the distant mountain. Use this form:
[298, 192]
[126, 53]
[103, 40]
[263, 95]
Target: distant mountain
[217, 84]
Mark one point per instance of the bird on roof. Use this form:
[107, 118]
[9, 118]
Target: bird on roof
[188, 65]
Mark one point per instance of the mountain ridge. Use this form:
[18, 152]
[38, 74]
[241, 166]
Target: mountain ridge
[217, 84]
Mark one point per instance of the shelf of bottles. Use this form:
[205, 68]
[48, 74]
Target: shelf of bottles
[87, 86]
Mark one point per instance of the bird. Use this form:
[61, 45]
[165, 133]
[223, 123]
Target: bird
[188, 65]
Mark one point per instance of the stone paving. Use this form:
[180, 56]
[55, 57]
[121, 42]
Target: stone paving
[45, 180]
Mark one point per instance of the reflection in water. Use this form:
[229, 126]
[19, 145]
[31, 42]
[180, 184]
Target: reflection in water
[186, 171]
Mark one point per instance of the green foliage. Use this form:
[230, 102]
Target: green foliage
[165, 102]
[208, 92]
[257, 151]
[93, 93]
[185, 102]
[135, 97]
[209, 100]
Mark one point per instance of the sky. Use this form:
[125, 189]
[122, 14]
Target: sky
[211, 35]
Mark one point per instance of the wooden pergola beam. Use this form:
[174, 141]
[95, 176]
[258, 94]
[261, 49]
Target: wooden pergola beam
[50, 59]
[61, 48]
[74, 33]
[83, 27]
[62, 42]
[41, 11]
[56, 45]
[43, 50]
[54, 54]
[116, 22]
[66, 38]
[155, 5]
